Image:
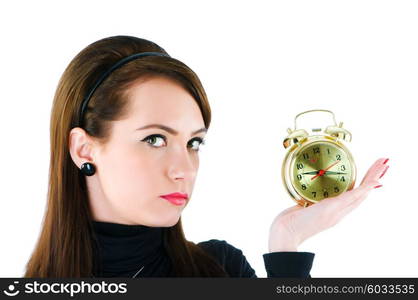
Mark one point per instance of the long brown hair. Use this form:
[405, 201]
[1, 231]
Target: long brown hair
[65, 247]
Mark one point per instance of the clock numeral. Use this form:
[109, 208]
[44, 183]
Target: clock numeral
[338, 157]
[299, 177]
[342, 178]
[336, 189]
[328, 151]
[314, 194]
[303, 187]
[325, 194]
[342, 168]
[316, 150]
[305, 155]
[299, 166]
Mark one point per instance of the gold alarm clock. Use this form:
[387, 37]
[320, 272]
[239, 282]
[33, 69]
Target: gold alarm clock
[317, 166]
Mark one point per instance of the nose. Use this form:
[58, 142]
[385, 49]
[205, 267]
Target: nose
[182, 165]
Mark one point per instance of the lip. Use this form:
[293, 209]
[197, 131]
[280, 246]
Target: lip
[176, 198]
[176, 195]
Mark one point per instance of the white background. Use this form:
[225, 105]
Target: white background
[261, 63]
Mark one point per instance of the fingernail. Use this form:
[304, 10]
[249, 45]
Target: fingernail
[378, 186]
[387, 167]
[386, 161]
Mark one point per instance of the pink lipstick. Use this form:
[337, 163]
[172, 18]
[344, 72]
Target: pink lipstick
[176, 198]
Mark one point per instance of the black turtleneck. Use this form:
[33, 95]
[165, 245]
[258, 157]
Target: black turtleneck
[124, 249]
[128, 250]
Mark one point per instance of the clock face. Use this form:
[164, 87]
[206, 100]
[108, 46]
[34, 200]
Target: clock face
[321, 170]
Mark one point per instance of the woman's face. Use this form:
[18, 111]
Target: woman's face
[137, 166]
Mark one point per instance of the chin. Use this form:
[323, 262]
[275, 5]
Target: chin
[169, 222]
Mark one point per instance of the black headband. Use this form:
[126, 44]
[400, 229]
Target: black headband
[107, 73]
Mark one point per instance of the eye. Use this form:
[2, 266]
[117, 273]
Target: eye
[199, 141]
[158, 140]
[153, 139]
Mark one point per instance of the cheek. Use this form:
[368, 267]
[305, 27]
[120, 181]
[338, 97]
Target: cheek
[129, 176]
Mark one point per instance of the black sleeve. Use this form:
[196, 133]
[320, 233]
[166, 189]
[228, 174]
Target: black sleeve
[277, 264]
[288, 264]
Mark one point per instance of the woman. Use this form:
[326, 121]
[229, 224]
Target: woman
[126, 125]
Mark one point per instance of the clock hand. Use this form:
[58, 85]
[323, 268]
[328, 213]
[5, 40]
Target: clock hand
[322, 172]
[325, 173]
[334, 173]
[310, 173]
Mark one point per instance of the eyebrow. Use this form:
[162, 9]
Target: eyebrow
[170, 130]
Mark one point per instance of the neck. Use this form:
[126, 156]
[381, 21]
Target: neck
[123, 250]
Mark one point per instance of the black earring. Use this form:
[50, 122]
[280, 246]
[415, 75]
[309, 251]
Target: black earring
[88, 169]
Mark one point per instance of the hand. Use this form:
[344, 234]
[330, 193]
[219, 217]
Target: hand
[295, 224]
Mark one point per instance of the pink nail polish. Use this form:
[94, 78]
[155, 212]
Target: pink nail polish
[386, 161]
[378, 186]
[387, 167]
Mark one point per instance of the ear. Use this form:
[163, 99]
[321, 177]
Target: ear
[80, 145]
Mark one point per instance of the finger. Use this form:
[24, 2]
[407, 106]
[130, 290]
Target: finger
[347, 198]
[357, 198]
[375, 171]
[384, 172]
[332, 210]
